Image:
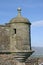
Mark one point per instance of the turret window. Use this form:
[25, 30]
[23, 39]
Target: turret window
[14, 31]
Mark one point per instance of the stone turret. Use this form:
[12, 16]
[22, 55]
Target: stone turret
[20, 38]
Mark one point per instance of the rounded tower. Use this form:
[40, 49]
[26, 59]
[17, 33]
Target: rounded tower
[20, 38]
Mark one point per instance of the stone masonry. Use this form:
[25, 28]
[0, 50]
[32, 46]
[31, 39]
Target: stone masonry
[15, 41]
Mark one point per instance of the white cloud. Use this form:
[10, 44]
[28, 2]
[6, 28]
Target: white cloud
[37, 23]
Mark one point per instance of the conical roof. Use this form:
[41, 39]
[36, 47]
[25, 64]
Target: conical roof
[19, 18]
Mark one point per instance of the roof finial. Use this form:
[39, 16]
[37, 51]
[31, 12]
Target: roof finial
[19, 11]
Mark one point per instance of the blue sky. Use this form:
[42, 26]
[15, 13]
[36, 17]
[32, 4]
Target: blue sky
[31, 9]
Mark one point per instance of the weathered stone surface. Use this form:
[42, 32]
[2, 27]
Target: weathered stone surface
[21, 38]
[4, 39]
[7, 59]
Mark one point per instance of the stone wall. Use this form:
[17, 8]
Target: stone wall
[32, 61]
[4, 39]
[7, 59]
